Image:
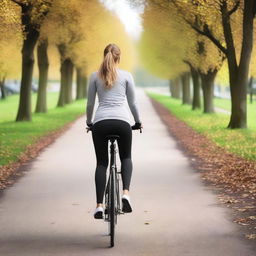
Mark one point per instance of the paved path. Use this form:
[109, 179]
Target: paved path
[49, 211]
[222, 110]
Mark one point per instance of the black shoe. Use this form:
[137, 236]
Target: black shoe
[126, 204]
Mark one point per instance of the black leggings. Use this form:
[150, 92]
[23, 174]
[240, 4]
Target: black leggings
[99, 132]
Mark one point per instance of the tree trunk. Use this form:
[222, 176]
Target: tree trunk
[186, 98]
[24, 111]
[251, 89]
[31, 30]
[63, 75]
[79, 83]
[238, 117]
[43, 65]
[2, 82]
[208, 90]
[84, 85]
[70, 71]
[63, 84]
[66, 73]
[196, 101]
[170, 86]
[238, 74]
[176, 88]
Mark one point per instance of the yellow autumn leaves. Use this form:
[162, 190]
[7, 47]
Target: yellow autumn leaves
[84, 26]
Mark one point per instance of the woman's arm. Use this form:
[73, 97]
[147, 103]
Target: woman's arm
[131, 98]
[90, 98]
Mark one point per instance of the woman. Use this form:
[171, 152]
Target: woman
[113, 86]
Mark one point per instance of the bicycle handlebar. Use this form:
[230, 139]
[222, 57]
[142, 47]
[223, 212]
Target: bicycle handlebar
[133, 128]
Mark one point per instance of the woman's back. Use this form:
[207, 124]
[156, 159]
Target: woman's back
[112, 101]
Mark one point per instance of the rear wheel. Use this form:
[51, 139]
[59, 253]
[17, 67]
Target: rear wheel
[112, 214]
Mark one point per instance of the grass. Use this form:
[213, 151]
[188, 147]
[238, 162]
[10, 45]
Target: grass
[251, 109]
[239, 141]
[16, 136]
[9, 106]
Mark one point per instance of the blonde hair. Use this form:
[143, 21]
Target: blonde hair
[107, 70]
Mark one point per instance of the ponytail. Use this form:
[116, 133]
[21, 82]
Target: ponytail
[107, 70]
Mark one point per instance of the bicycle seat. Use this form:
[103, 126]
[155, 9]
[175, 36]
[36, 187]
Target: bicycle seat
[112, 137]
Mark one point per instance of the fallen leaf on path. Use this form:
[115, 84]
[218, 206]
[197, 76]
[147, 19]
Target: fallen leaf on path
[251, 236]
[241, 210]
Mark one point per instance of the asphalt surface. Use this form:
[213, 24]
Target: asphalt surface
[49, 211]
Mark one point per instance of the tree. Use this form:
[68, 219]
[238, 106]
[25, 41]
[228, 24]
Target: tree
[185, 78]
[33, 14]
[196, 103]
[210, 61]
[43, 65]
[9, 43]
[77, 30]
[81, 83]
[199, 53]
[176, 87]
[159, 53]
[63, 29]
[236, 49]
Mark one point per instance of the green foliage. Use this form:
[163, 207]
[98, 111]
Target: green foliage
[16, 136]
[239, 141]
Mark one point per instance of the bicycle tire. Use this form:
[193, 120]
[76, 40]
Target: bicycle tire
[112, 216]
[107, 202]
[117, 187]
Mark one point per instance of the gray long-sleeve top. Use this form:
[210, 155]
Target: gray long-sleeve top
[112, 102]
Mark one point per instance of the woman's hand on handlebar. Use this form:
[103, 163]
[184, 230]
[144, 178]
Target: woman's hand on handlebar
[137, 126]
[89, 127]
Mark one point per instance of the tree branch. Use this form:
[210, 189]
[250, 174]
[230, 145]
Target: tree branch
[209, 34]
[49, 5]
[18, 3]
[234, 9]
[205, 32]
[186, 61]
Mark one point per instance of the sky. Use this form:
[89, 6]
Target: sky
[130, 17]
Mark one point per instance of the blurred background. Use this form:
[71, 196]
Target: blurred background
[197, 54]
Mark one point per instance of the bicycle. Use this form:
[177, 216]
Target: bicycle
[112, 191]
